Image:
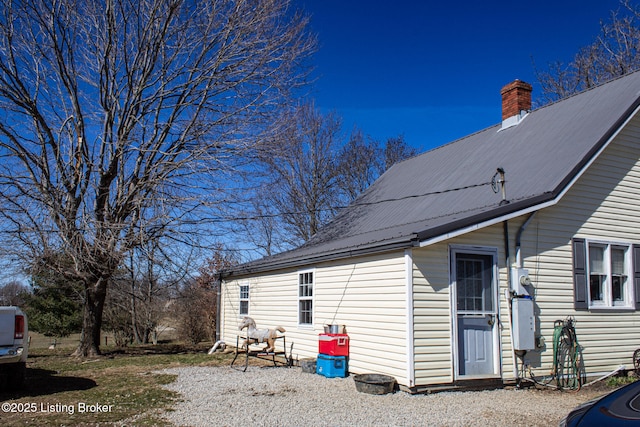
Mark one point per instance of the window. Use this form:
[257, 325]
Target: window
[608, 275]
[244, 300]
[474, 282]
[602, 275]
[305, 298]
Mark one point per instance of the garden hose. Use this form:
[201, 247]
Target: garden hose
[568, 366]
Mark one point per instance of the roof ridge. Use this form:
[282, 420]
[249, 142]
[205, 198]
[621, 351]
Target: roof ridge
[611, 80]
[588, 89]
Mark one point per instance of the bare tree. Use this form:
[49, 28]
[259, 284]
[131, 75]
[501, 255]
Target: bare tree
[207, 288]
[195, 308]
[311, 173]
[141, 289]
[13, 293]
[362, 160]
[396, 150]
[615, 52]
[303, 171]
[359, 165]
[261, 223]
[122, 121]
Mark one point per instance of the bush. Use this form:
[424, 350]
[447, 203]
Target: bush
[193, 310]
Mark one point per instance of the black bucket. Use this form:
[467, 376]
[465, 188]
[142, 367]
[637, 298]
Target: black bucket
[308, 366]
[374, 383]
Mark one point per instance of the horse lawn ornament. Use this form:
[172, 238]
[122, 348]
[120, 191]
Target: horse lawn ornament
[255, 335]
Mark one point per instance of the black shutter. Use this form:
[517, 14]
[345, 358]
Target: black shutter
[580, 291]
[636, 275]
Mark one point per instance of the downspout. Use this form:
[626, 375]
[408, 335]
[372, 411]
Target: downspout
[217, 284]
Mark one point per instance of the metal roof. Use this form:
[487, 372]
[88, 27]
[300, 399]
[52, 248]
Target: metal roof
[447, 188]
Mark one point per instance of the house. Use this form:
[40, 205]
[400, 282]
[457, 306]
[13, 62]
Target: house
[454, 265]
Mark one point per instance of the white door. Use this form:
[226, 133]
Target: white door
[475, 314]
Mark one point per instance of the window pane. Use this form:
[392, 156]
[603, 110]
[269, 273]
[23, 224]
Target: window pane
[473, 278]
[305, 291]
[596, 287]
[305, 278]
[244, 291]
[617, 261]
[244, 307]
[617, 287]
[306, 310]
[596, 257]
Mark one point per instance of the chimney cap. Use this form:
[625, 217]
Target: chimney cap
[516, 84]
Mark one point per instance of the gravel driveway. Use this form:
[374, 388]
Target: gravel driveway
[222, 396]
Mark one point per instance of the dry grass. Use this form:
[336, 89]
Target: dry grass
[39, 341]
[123, 384]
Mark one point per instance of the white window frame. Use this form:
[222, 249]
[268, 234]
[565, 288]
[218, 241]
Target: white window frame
[242, 298]
[607, 301]
[310, 298]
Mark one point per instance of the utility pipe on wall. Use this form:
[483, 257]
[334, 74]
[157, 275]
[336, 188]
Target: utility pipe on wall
[519, 236]
[507, 253]
[508, 294]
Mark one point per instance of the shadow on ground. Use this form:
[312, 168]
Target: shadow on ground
[161, 348]
[42, 382]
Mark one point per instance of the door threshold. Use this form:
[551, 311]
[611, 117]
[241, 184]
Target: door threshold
[460, 385]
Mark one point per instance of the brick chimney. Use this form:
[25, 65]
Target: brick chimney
[516, 102]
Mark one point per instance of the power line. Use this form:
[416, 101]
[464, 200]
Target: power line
[355, 204]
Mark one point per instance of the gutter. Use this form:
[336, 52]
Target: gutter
[404, 243]
[500, 214]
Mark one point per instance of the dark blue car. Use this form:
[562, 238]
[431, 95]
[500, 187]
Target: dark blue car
[621, 407]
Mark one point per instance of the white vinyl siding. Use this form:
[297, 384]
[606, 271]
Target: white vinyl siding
[367, 294]
[432, 326]
[433, 337]
[602, 207]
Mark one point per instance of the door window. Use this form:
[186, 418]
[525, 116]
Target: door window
[473, 276]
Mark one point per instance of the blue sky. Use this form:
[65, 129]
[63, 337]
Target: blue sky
[433, 70]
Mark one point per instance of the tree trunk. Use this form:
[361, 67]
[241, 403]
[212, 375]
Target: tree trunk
[95, 295]
[134, 314]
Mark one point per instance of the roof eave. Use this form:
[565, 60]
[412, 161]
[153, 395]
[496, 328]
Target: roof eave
[484, 219]
[247, 269]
